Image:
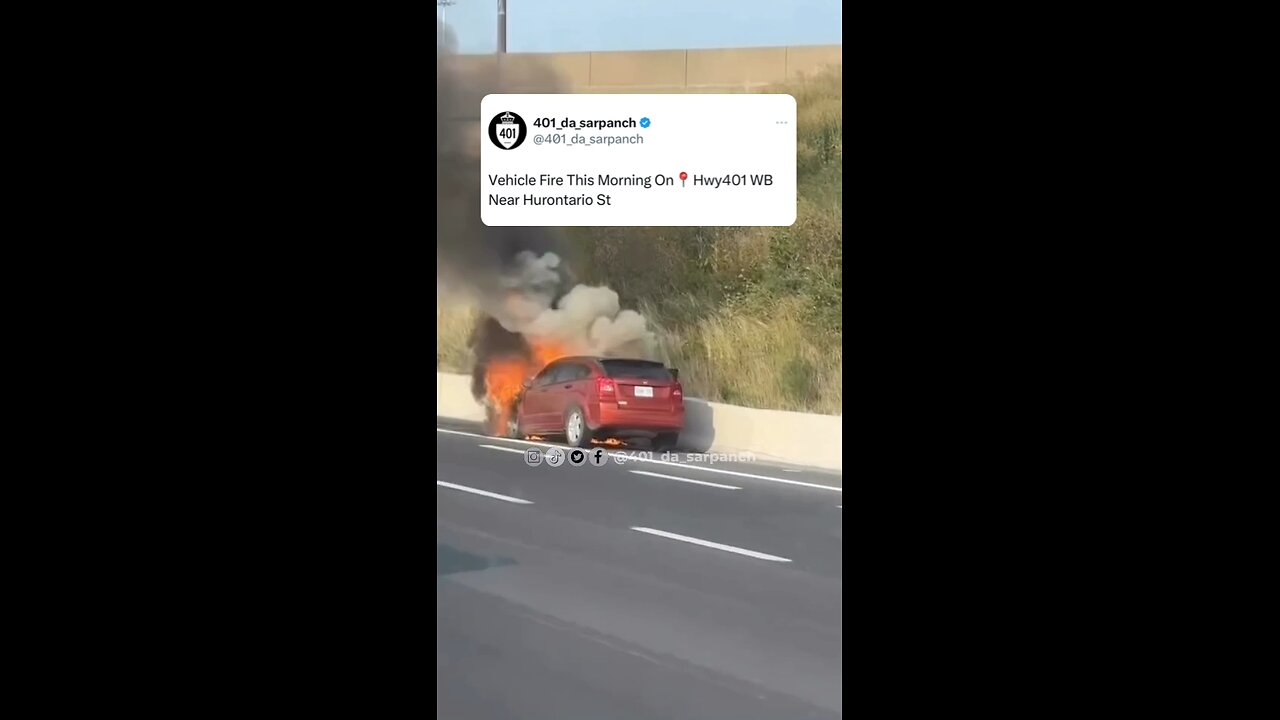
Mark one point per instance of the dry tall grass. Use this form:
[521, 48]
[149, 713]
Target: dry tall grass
[769, 360]
[453, 327]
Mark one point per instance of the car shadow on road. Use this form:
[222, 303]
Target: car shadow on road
[450, 560]
[699, 427]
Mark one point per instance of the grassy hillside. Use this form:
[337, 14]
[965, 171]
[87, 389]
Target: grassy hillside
[751, 316]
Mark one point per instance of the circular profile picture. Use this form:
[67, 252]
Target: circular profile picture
[507, 130]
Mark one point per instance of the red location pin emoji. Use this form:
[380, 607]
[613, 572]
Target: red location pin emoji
[683, 176]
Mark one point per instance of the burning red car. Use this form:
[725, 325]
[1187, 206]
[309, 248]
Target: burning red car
[584, 398]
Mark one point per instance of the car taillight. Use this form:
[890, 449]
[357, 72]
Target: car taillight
[678, 392]
[605, 387]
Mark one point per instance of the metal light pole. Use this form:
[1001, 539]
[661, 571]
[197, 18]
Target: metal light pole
[444, 8]
[502, 26]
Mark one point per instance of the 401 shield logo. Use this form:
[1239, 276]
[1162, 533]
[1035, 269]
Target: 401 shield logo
[507, 130]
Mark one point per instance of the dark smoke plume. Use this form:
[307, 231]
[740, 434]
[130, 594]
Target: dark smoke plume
[475, 262]
[518, 277]
[471, 257]
[489, 340]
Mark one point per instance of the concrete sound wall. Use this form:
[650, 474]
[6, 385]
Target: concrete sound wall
[793, 437]
[656, 71]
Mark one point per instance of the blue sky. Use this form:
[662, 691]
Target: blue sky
[576, 25]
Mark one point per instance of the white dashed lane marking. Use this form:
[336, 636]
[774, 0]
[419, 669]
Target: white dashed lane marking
[485, 493]
[686, 480]
[715, 545]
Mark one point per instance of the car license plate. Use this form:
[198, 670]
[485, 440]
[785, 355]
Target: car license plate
[642, 391]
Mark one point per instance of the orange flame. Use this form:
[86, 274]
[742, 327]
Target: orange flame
[504, 379]
[545, 351]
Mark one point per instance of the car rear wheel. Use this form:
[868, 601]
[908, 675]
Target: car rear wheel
[576, 432]
[665, 441]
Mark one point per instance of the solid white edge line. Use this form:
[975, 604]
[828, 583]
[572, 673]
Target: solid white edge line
[485, 493]
[686, 480]
[498, 447]
[660, 462]
[708, 543]
[459, 432]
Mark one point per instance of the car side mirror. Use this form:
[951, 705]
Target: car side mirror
[675, 374]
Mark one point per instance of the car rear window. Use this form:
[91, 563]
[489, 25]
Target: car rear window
[641, 369]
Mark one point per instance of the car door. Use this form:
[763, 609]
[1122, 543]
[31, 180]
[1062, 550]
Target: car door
[554, 400]
[533, 408]
[569, 385]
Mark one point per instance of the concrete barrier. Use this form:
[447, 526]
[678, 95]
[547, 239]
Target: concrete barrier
[791, 437]
[453, 398]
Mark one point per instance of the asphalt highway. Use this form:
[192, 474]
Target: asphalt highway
[635, 590]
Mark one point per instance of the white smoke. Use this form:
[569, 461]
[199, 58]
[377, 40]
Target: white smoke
[627, 335]
[588, 320]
